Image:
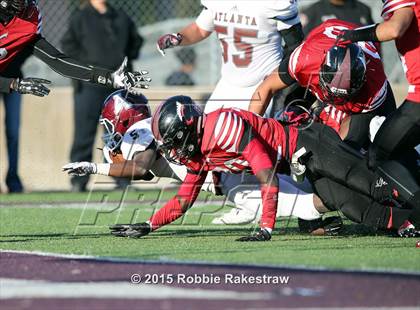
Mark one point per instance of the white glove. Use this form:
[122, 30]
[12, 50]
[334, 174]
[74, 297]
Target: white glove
[129, 80]
[80, 168]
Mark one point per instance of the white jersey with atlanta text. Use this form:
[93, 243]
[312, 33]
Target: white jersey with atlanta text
[249, 35]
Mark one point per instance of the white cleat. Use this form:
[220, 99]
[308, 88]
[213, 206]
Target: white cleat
[236, 217]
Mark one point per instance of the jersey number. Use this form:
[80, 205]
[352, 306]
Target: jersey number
[238, 34]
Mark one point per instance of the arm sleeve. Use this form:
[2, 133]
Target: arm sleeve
[284, 72]
[5, 85]
[205, 20]
[178, 205]
[292, 38]
[289, 66]
[68, 67]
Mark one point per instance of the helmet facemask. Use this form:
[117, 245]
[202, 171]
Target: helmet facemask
[111, 138]
[180, 146]
[342, 74]
[177, 127]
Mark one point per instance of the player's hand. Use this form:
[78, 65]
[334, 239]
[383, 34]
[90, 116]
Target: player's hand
[33, 86]
[168, 41]
[131, 81]
[131, 230]
[261, 235]
[80, 168]
[344, 38]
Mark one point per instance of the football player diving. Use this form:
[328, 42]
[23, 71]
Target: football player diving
[233, 140]
[20, 32]
[131, 152]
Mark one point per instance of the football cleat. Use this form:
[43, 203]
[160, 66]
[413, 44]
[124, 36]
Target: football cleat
[261, 235]
[407, 230]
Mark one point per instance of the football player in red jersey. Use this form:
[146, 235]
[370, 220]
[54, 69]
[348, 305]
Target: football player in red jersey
[349, 80]
[234, 140]
[401, 131]
[20, 32]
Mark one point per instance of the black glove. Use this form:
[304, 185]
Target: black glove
[33, 86]
[331, 226]
[261, 235]
[131, 230]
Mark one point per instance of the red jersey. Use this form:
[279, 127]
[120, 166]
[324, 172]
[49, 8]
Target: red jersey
[408, 45]
[305, 63]
[234, 140]
[228, 131]
[18, 34]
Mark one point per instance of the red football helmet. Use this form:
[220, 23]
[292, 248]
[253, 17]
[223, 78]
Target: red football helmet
[120, 111]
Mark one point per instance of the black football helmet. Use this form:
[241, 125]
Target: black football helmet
[343, 73]
[176, 125]
[13, 7]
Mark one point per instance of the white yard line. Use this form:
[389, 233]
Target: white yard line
[12, 288]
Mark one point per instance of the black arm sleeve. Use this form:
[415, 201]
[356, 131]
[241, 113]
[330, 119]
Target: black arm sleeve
[68, 67]
[284, 72]
[367, 33]
[292, 38]
[5, 85]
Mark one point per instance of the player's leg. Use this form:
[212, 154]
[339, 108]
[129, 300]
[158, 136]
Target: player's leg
[358, 207]
[329, 157]
[12, 123]
[399, 133]
[244, 192]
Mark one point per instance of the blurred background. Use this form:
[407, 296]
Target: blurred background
[47, 124]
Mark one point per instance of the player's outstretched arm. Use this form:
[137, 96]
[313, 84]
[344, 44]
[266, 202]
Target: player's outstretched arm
[137, 169]
[191, 34]
[265, 92]
[68, 67]
[389, 30]
[169, 213]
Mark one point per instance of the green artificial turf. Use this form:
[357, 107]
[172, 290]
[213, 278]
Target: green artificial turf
[60, 229]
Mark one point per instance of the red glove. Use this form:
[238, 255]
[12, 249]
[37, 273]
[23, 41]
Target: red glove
[168, 41]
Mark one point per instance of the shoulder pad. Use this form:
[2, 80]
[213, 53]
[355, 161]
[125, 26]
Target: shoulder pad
[137, 138]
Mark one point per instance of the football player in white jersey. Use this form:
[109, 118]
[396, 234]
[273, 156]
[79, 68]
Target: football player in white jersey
[251, 35]
[131, 152]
